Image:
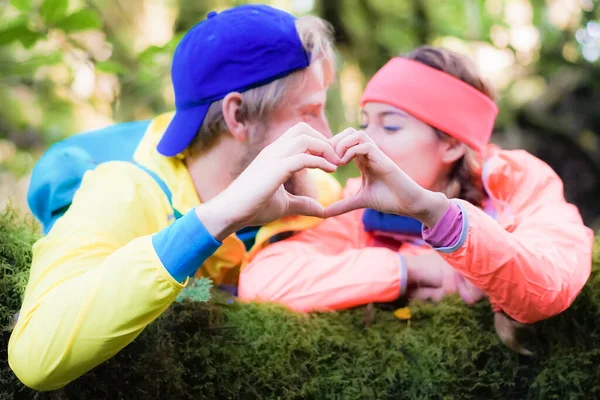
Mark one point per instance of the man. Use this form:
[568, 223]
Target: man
[247, 79]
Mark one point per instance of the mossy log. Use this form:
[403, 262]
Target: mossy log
[223, 349]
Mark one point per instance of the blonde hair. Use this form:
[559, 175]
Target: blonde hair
[259, 103]
[464, 180]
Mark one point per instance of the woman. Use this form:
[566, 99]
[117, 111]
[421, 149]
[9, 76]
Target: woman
[446, 211]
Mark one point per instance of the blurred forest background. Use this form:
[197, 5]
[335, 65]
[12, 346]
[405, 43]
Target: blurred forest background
[68, 66]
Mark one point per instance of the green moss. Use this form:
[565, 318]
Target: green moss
[224, 349]
[15, 256]
[197, 290]
[16, 238]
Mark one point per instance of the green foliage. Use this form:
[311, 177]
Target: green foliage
[80, 21]
[22, 5]
[53, 10]
[17, 30]
[20, 164]
[225, 350]
[111, 67]
[35, 38]
[28, 67]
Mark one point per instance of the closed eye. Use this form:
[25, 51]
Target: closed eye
[392, 128]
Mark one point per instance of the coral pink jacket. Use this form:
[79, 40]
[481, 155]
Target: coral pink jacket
[531, 258]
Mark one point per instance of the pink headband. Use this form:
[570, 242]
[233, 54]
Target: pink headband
[436, 98]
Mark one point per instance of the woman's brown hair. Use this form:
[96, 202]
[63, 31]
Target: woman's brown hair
[464, 179]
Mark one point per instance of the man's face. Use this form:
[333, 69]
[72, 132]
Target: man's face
[307, 104]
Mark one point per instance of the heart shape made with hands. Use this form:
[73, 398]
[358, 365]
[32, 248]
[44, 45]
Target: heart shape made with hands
[259, 195]
[384, 187]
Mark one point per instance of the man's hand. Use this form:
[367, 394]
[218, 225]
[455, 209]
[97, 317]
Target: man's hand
[302, 184]
[258, 196]
[385, 187]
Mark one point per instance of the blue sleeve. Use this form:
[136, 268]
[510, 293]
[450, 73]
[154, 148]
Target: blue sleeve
[184, 245]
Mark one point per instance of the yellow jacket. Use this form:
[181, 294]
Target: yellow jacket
[96, 280]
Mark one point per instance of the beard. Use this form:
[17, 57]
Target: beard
[256, 143]
[299, 184]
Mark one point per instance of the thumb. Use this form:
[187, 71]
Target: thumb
[304, 205]
[470, 293]
[346, 205]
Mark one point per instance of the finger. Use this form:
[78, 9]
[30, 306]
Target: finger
[277, 148]
[303, 128]
[363, 149]
[339, 136]
[350, 141]
[352, 203]
[468, 292]
[428, 294]
[308, 144]
[304, 205]
[302, 161]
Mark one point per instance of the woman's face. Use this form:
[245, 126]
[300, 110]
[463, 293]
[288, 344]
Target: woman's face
[410, 143]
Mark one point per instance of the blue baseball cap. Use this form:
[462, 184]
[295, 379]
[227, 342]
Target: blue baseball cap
[238, 49]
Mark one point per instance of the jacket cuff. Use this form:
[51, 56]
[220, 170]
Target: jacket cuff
[403, 275]
[449, 234]
[183, 246]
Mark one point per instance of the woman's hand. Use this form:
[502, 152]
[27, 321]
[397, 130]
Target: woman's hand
[430, 278]
[385, 187]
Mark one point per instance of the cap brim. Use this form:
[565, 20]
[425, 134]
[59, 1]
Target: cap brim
[181, 130]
